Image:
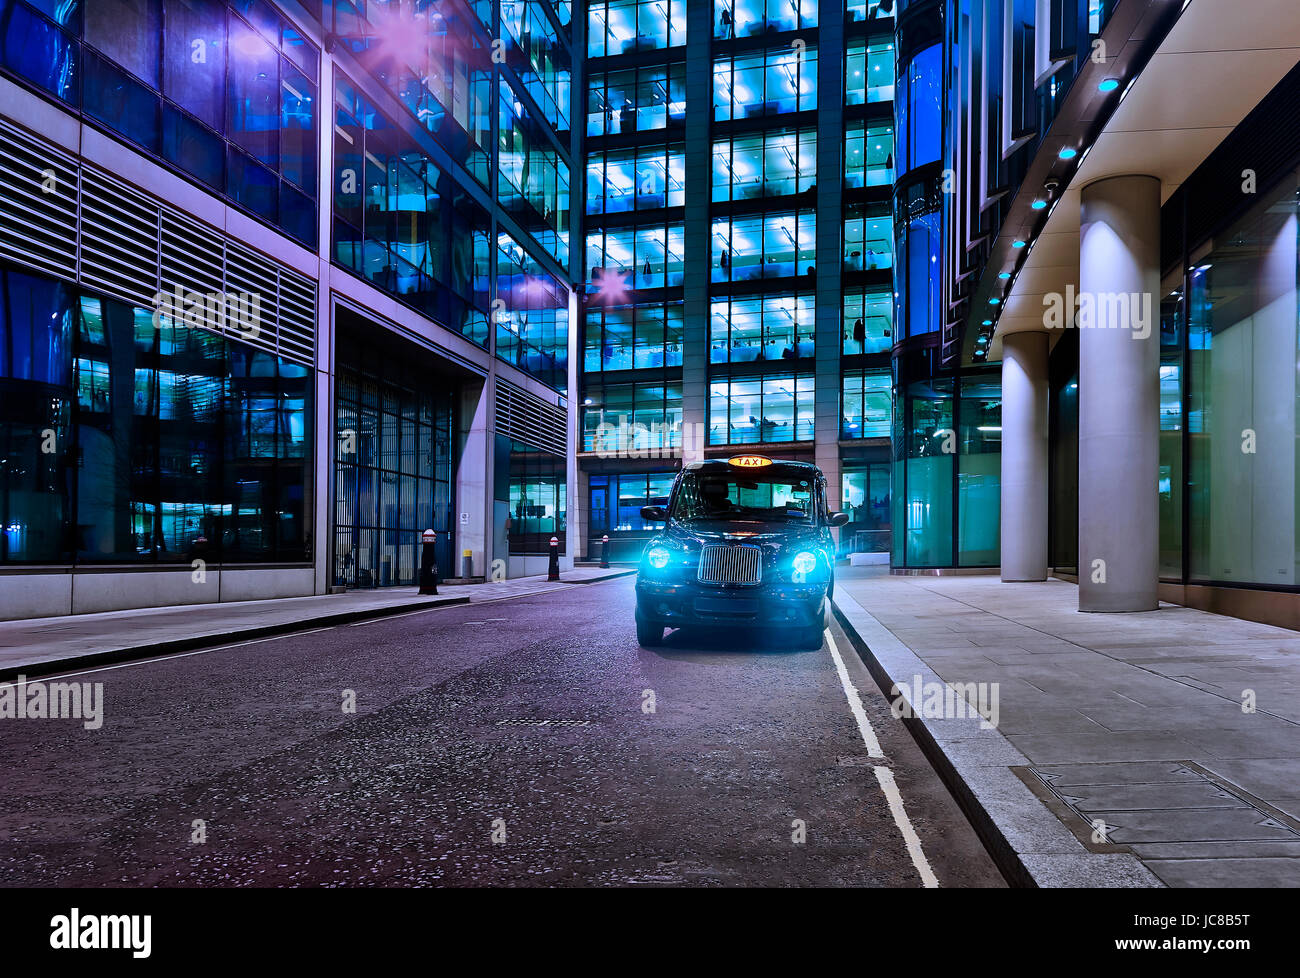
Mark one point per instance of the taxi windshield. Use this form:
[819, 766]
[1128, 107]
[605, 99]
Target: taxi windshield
[775, 497]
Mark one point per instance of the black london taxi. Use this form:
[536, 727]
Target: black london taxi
[747, 542]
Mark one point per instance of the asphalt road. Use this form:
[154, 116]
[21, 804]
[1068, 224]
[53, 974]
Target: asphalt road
[522, 742]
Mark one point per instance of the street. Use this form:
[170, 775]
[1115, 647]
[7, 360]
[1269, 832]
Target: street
[522, 742]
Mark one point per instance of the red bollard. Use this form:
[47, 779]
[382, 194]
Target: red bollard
[553, 572]
[604, 550]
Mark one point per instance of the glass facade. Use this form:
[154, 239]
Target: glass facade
[403, 224]
[532, 315]
[133, 438]
[536, 492]
[630, 419]
[226, 95]
[1241, 413]
[393, 467]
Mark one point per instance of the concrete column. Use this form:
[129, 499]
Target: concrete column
[474, 480]
[828, 311]
[1119, 394]
[697, 231]
[1024, 457]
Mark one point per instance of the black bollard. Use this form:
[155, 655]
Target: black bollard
[553, 571]
[428, 564]
[604, 550]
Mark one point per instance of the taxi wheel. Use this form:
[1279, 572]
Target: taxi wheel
[648, 635]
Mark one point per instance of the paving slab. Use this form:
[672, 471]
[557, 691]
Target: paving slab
[1134, 720]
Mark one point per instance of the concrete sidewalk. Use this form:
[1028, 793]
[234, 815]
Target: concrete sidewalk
[40, 646]
[1122, 754]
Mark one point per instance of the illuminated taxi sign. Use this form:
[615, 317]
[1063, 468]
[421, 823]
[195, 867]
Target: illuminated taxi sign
[749, 461]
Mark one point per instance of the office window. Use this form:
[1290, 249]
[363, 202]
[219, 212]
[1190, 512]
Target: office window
[869, 10]
[194, 59]
[542, 63]
[869, 239]
[620, 26]
[868, 321]
[866, 407]
[632, 337]
[868, 155]
[750, 329]
[868, 72]
[641, 257]
[765, 83]
[775, 408]
[641, 178]
[770, 164]
[764, 246]
[749, 18]
[632, 420]
[636, 100]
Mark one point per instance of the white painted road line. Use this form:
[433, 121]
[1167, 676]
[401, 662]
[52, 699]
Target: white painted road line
[895, 799]
[855, 701]
[883, 774]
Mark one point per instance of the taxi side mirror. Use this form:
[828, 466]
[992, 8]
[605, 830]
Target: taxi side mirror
[839, 519]
[654, 514]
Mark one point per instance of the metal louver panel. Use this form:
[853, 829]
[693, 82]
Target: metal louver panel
[38, 205]
[297, 317]
[722, 564]
[192, 257]
[527, 418]
[119, 240]
[253, 282]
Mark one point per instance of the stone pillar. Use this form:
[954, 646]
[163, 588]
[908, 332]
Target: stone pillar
[1119, 394]
[1024, 456]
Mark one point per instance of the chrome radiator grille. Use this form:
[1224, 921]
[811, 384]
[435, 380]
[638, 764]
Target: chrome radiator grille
[731, 565]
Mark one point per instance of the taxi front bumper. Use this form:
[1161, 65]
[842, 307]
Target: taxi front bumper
[683, 603]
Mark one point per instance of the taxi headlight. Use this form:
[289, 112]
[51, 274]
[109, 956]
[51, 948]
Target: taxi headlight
[658, 557]
[804, 563]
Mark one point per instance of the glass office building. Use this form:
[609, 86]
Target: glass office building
[739, 251]
[276, 279]
[1149, 462]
